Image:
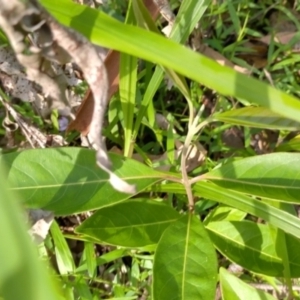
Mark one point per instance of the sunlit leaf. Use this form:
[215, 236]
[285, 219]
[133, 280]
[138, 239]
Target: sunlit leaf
[274, 216]
[185, 262]
[235, 289]
[274, 176]
[251, 246]
[108, 32]
[67, 180]
[133, 223]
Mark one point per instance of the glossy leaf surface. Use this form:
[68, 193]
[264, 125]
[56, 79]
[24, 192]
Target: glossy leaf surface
[274, 176]
[208, 190]
[235, 289]
[274, 216]
[185, 265]
[252, 246]
[132, 223]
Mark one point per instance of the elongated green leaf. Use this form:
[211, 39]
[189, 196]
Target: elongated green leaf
[104, 30]
[90, 258]
[104, 259]
[280, 244]
[274, 176]
[63, 254]
[82, 289]
[22, 276]
[128, 81]
[252, 246]
[185, 262]
[133, 223]
[145, 21]
[235, 289]
[189, 14]
[274, 216]
[259, 117]
[67, 180]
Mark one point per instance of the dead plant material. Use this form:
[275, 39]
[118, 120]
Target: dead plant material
[84, 114]
[54, 42]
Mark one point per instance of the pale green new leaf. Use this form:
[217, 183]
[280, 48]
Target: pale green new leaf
[235, 289]
[274, 176]
[133, 223]
[185, 264]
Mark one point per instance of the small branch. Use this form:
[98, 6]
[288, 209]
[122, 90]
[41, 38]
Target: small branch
[193, 129]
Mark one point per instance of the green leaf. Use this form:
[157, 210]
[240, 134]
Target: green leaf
[64, 258]
[128, 79]
[133, 223]
[185, 264]
[145, 20]
[291, 145]
[235, 289]
[89, 257]
[222, 212]
[67, 180]
[274, 216]
[273, 176]
[280, 244]
[252, 246]
[104, 259]
[82, 288]
[127, 87]
[108, 32]
[259, 117]
[22, 276]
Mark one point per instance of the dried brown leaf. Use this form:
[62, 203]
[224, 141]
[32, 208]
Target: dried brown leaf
[219, 58]
[84, 114]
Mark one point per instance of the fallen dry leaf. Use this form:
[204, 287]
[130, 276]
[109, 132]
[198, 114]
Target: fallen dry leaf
[220, 59]
[84, 114]
[257, 53]
[40, 221]
[283, 38]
